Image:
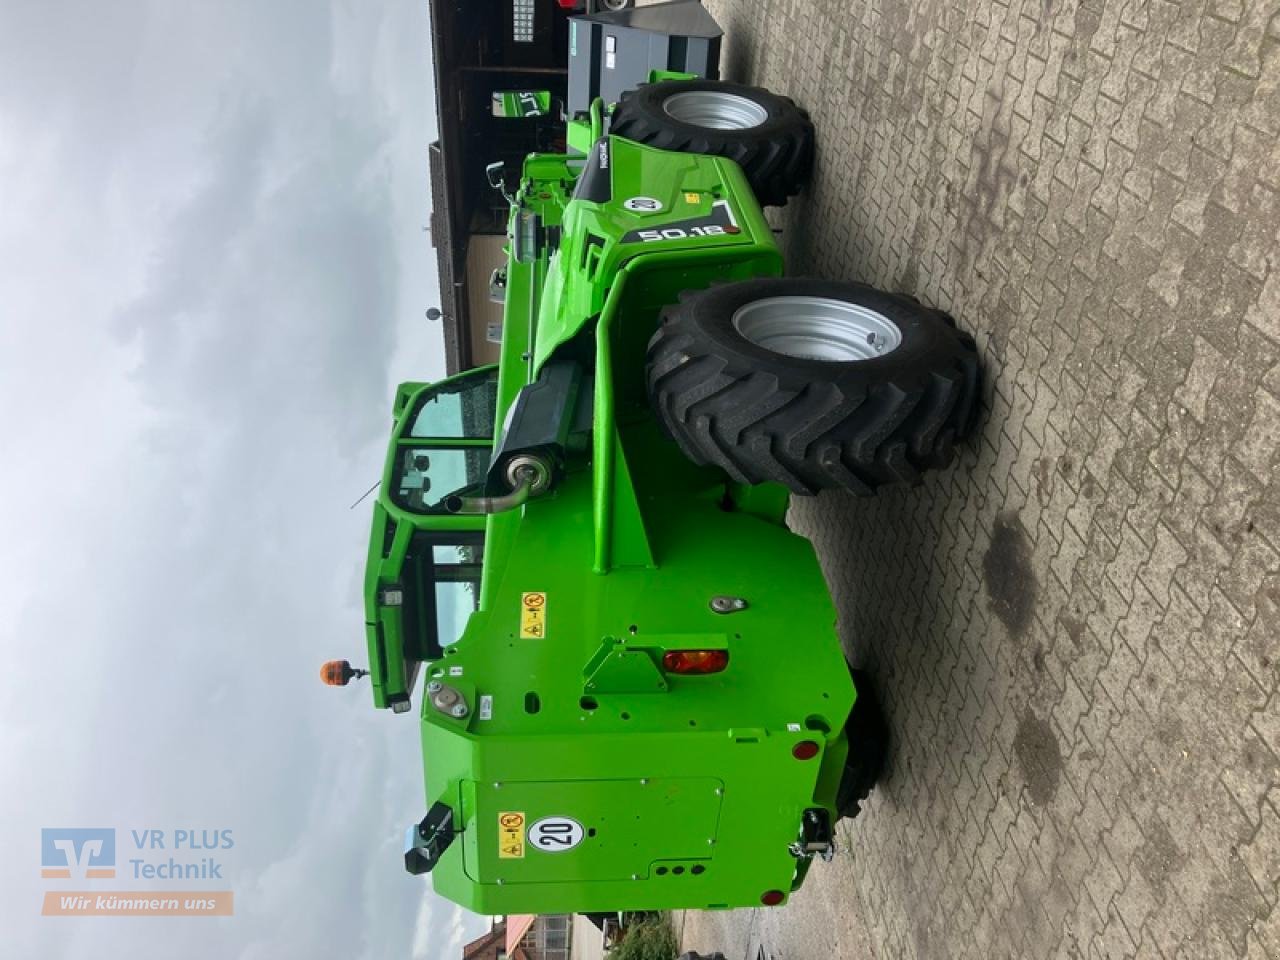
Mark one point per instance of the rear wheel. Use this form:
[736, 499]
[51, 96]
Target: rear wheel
[765, 134]
[813, 384]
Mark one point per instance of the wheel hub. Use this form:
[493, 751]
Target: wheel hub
[715, 109]
[817, 328]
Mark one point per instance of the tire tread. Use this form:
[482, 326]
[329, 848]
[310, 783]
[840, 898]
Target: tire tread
[777, 166]
[808, 433]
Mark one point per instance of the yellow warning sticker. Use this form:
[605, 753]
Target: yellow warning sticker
[511, 835]
[693, 198]
[533, 616]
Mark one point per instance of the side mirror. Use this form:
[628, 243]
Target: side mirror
[494, 172]
[498, 285]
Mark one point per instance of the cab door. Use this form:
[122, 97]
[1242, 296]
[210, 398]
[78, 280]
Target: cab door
[442, 446]
[444, 567]
[445, 442]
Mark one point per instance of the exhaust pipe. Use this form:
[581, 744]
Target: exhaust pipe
[527, 475]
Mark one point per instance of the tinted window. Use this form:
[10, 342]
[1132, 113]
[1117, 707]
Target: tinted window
[464, 408]
[455, 602]
[442, 579]
[457, 573]
[425, 478]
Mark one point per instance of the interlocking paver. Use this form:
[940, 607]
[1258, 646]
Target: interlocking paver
[1076, 630]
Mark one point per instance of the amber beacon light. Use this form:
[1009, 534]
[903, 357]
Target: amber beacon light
[338, 673]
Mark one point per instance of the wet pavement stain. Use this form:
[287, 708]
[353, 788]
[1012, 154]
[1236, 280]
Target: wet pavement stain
[1159, 856]
[1010, 581]
[1042, 472]
[1074, 628]
[1039, 758]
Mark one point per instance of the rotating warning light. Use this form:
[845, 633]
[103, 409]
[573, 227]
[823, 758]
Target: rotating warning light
[338, 673]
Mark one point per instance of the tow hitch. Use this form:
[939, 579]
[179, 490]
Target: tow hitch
[426, 842]
[816, 836]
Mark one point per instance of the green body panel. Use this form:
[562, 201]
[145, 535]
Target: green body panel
[582, 133]
[657, 76]
[662, 771]
[578, 136]
[593, 261]
[786, 682]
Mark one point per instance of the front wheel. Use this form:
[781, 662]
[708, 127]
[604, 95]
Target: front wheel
[616, 4]
[813, 384]
[764, 133]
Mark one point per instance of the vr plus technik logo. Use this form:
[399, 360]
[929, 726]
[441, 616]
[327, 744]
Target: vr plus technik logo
[79, 853]
[159, 864]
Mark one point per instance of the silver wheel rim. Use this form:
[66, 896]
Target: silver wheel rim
[715, 109]
[817, 328]
[613, 4]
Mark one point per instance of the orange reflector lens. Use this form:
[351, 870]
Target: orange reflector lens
[771, 898]
[805, 750]
[695, 661]
[336, 673]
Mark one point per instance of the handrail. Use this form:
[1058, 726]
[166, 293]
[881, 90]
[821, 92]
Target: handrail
[604, 432]
[597, 119]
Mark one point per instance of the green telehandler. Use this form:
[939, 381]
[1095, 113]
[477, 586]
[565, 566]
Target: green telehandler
[630, 688]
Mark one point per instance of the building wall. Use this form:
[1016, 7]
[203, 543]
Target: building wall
[484, 254]
[587, 942]
[549, 938]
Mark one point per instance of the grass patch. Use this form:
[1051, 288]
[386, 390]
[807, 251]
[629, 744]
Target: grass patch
[647, 940]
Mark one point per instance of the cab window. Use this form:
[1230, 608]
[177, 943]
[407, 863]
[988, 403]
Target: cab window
[445, 570]
[457, 590]
[463, 408]
[425, 477]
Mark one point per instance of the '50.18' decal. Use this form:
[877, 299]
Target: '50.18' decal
[680, 233]
[718, 223]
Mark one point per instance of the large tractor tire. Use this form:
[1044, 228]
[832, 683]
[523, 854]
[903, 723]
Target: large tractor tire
[813, 384]
[765, 134]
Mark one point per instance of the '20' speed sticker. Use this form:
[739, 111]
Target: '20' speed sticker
[555, 834]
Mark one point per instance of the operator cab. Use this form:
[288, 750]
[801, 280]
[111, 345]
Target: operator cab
[422, 582]
[444, 442]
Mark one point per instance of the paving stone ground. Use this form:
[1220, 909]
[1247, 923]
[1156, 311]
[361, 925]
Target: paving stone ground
[1074, 630]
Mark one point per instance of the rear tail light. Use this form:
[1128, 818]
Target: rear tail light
[695, 661]
[805, 750]
[567, 4]
[771, 898]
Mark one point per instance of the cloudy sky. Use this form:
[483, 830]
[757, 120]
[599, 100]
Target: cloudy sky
[212, 272]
